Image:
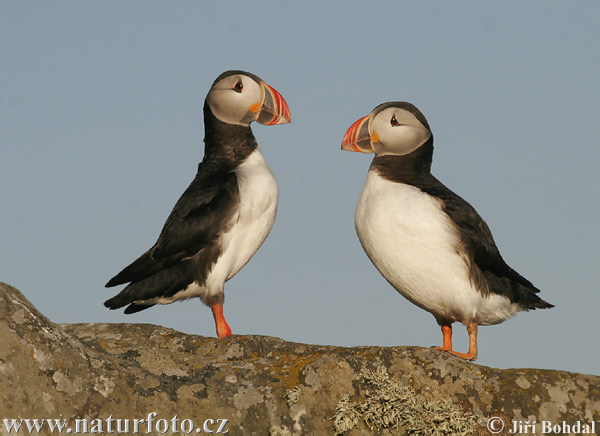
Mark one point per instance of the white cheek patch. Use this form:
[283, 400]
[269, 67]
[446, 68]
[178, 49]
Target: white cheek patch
[233, 107]
[401, 139]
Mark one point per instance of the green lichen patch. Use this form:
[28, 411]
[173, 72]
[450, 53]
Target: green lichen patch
[389, 404]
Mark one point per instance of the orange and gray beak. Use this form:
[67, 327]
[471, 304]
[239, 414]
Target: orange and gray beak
[357, 138]
[273, 109]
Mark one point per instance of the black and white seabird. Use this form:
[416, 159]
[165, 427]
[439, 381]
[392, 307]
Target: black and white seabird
[429, 243]
[225, 214]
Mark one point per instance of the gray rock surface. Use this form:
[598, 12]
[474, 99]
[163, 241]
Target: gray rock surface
[107, 376]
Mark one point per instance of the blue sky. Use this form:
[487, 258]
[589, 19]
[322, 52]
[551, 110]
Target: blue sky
[101, 127]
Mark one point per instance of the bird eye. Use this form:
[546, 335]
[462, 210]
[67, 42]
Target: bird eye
[394, 121]
[238, 86]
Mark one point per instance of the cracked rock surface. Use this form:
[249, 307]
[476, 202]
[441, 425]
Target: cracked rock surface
[262, 385]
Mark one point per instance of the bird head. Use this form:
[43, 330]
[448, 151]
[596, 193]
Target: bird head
[238, 97]
[396, 128]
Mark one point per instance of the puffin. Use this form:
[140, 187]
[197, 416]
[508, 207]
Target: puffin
[225, 214]
[426, 241]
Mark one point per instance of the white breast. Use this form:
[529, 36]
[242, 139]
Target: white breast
[412, 242]
[259, 196]
[253, 220]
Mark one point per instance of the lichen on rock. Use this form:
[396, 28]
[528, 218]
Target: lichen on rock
[347, 415]
[390, 404]
[292, 395]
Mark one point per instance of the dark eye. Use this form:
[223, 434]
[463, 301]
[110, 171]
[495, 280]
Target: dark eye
[394, 121]
[238, 86]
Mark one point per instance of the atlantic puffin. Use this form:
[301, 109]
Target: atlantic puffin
[225, 214]
[429, 243]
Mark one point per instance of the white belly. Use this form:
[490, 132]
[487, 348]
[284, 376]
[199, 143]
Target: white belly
[413, 243]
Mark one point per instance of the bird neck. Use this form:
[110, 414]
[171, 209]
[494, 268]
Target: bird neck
[223, 141]
[403, 168]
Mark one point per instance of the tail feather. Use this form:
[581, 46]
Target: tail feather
[524, 294]
[528, 299]
[134, 308]
[141, 268]
[130, 272]
[540, 304]
[164, 283]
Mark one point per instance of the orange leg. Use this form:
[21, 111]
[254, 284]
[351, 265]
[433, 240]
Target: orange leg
[447, 332]
[447, 347]
[223, 329]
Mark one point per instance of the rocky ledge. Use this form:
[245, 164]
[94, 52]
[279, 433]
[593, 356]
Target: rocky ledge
[131, 378]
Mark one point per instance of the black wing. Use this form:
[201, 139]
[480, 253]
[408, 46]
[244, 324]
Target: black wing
[475, 234]
[201, 214]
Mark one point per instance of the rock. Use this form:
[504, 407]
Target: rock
[104, 377]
